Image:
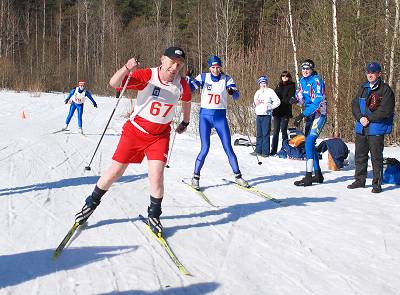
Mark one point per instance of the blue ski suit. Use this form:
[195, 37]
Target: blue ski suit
[77, 98]
[311, 94]
[214, 93]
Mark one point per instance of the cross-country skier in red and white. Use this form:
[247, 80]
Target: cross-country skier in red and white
[147, 132]
[76, 98]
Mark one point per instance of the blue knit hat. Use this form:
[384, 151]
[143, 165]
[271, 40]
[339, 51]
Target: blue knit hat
[214, 61]
[262, 79]
[374, 67]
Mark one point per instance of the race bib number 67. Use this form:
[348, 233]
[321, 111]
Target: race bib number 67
[158, 108]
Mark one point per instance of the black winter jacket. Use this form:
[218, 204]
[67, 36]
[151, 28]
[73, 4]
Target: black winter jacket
[284, 92]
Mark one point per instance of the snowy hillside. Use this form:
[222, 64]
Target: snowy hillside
[328, 240]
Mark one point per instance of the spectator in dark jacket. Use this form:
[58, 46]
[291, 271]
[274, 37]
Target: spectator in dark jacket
[373, 109]
[281, 115]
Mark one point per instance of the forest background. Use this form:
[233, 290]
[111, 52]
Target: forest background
[48, 45]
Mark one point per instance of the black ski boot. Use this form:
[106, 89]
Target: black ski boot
[305, 181]
[87, 209]
[318, 178]
[154, 212]
[91, 204]
[356, 184]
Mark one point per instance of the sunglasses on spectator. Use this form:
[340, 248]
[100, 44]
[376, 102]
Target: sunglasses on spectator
[285, 76]
[305, 68]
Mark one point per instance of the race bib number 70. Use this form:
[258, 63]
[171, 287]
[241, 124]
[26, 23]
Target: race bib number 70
[215, 97]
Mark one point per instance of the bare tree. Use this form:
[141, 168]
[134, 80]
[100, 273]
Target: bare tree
[103, 32]
[386, 47]
[78, 32]
[44, 32]
[393, 47]
[336, 69]
[216, 28]
[59, 36]
[157, 4]
[199, 34]
[86, 54]
[171, 37]
[293, 42]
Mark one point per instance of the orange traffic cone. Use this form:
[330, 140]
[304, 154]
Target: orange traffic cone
[23, 116]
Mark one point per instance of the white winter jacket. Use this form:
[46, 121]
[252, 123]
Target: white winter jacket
[265, 100]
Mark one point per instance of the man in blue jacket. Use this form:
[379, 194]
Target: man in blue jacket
[311, 94]
[373, 109]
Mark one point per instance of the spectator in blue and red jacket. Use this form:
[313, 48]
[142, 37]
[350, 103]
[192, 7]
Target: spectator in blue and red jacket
[373, 110]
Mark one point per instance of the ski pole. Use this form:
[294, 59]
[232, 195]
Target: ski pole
[173, 140]
[119, 95]
[248, 136]
[259, 162]
[170, 152]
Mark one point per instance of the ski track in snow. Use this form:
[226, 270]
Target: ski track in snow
[328, 240]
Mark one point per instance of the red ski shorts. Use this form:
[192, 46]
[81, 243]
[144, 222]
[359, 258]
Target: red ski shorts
[135, 144]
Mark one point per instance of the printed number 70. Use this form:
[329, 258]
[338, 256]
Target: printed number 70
[217, 98]
[156, 106]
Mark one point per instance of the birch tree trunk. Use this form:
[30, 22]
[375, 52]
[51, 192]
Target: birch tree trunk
[77, 40]
[157, 4]
[44, 32]
[103, 33]
[229, 20]
[59, 37]
[296, 67]
[1, 26]
[216, 29]
[70, 50]
[171, 38]
[36, 40]
[199, 35]
[86, 54]
[358, 32]
[386, 47]
[393, 47]
[336, 69]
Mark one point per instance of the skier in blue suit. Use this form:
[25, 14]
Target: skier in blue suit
[76, 98]
[215, 87]
[311, 94]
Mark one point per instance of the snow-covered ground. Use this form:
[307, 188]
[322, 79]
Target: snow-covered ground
[329, 240]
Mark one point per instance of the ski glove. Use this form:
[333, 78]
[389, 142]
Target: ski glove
[298, 119]
[66, 101]
[234, 93]
[95, 105]
[182, 127]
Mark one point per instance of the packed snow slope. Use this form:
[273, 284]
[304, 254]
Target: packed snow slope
[328, 240]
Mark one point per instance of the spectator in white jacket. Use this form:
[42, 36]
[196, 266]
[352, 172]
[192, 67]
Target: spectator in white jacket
[265, 100]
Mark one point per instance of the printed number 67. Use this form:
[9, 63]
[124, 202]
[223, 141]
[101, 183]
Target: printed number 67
[156, 106]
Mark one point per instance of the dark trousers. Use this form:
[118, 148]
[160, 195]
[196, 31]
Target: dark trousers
[262, 136]
[373, 144]
[279, 124]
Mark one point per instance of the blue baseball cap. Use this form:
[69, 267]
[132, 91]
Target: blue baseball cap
[262, 79]
[374, 67]
[214, 61]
